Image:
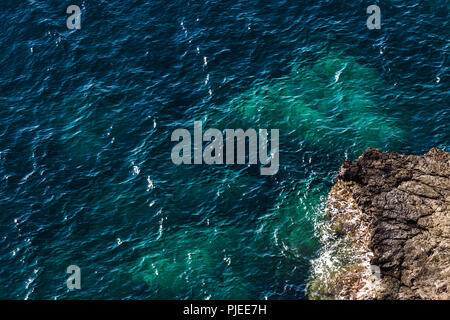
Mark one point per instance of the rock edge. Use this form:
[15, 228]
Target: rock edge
[386, 234]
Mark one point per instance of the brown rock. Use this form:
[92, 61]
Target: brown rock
[404, 205]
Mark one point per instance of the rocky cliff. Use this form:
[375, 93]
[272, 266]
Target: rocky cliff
[386, 234]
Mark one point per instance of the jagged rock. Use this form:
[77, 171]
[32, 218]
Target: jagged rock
[387, 212]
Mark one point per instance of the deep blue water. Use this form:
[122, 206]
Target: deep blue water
[86, 118]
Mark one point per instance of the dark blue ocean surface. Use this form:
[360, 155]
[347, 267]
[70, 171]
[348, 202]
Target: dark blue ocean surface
[86, 118]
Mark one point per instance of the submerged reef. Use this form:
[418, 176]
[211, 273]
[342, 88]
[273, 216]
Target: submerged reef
[332, 100]
[386, 234]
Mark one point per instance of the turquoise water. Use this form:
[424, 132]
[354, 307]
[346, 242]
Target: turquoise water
[86, 118]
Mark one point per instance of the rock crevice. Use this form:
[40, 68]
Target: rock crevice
[387, 212]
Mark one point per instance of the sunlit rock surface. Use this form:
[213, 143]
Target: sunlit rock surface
[387, 232]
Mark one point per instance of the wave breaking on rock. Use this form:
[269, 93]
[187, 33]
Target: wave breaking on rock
[386, 232]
